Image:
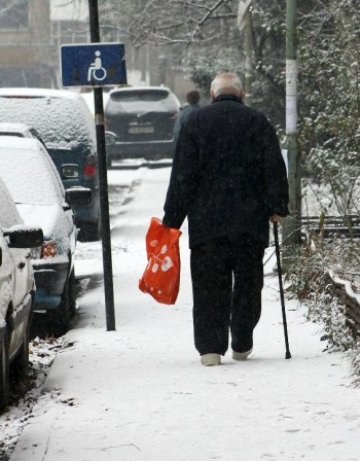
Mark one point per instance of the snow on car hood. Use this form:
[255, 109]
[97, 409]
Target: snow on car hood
[52, 220]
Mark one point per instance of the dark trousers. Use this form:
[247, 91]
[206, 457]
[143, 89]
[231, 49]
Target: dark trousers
[227, 278]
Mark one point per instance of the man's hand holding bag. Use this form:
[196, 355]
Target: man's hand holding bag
[161, 278]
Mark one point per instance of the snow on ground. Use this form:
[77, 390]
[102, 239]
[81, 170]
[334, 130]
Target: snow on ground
[42, 353]
[140, 393]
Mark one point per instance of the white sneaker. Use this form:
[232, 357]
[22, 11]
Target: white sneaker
[241, 355]
[210, 360]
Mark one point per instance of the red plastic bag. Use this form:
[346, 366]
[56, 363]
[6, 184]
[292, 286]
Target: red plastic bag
[161, 278]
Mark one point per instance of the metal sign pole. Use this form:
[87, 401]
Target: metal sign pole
[104, 199]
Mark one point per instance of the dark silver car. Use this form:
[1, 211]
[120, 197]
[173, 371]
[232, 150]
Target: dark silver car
[141, 120]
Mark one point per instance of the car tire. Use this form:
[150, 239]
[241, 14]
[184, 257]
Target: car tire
[21, 364]
[72, 293]
[59, 320]
[90, 232]
[4, 372]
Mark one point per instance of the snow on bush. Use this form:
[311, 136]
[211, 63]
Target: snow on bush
[308, 280]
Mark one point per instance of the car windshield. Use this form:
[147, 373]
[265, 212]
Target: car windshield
[29, 177]
[57, 120]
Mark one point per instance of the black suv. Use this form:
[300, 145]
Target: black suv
[141, 120]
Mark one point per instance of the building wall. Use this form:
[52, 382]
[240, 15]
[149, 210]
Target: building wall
[25, 49]
[29, 52]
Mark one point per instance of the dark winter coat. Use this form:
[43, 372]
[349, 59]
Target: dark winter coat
[228, 175]
[182, 118]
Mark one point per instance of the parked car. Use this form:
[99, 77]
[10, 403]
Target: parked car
[41, 200]
[17, 290]
[63, 121]
[141, 121]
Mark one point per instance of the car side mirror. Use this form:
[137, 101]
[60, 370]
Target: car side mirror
[78, 196]
[24, 237]
[110, 138]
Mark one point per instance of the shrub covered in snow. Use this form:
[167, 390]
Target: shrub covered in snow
[308, 279]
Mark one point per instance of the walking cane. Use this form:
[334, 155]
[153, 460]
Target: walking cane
[277, 249]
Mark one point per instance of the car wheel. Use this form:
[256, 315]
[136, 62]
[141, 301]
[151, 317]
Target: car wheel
[90, 232]
[21, 364]
[4, 372]
[59, 320]
[72, 293]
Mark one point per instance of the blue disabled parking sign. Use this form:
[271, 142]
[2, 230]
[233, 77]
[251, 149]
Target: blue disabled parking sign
[93, 64]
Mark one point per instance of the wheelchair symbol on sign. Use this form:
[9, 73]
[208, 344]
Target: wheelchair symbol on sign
[96, 71]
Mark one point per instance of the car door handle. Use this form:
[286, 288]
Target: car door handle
[21, 265]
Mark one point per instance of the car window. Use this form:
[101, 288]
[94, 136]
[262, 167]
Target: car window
[141, 101]
[139, 95]
[57, 120]
[29, 177]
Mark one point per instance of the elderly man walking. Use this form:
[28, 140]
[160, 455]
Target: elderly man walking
[229, 179]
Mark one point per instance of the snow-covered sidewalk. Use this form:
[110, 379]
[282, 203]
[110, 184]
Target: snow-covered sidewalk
[140, 393]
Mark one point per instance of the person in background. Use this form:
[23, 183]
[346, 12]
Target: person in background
[193, 98]
[229, 179]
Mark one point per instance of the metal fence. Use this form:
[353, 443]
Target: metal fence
[351, 300]
[332, 226]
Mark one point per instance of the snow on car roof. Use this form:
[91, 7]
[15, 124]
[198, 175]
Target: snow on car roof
[28, 172]
[60, 117]
[9, 215]
[14, 127]
[40, 92]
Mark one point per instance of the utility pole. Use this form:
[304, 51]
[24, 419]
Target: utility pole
[245, 25]
[249, 49]
[292, 224]
[104, 199]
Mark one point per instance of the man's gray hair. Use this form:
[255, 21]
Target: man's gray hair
[226, 83]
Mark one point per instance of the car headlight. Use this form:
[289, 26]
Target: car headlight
[48, 249]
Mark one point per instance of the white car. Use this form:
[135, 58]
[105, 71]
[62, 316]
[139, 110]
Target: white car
[37, 190]
[17, 291]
